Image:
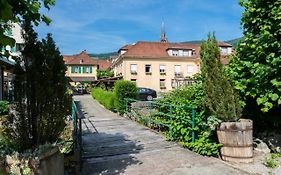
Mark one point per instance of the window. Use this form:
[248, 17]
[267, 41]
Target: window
[223, 50]
[162, 68]
[134, 80]
[162, 84]
[175, 52]
[187, 53]
[178, 70]
[133, 69]
[148, 68]
[76, 69]
[87, 70]
[189, 68]
[19, 47]
[174, 83]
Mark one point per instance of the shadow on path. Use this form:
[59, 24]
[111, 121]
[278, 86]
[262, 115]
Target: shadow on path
[105, 153]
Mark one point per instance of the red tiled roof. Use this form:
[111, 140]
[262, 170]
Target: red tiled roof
[80, 59]
[104, 64]
[67, 58]
[224, 44]
[158, 49]
[126, 47]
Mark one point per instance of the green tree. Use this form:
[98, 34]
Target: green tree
[18, 11]
[104, 73]
[220, 98]
[41, 102]
[256, 68]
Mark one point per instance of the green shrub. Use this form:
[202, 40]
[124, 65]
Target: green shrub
[271, 163]
[124, 89]
[191, 96]
[4, 108]
[104, 73]
[181, 130]
[106, 98]
[203, 146]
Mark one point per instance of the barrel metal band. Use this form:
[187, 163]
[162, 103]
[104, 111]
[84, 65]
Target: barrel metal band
[237, 157]
[234, 130]
[237, 146]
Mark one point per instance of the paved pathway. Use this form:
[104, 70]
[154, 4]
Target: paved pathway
[115, 145]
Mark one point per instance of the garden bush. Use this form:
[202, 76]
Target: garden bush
[106, 98]
[4, 108]
[104, 74]
[124, 89]
[180, 130]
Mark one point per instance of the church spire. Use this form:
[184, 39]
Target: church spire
[163, 37]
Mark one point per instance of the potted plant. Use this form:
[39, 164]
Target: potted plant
[221, 101]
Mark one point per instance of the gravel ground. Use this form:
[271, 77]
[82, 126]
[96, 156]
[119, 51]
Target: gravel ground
[258, 167]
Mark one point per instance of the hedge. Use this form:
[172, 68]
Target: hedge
[106, 98]
[124, 89]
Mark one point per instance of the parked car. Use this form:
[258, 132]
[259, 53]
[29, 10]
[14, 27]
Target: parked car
[146, 94]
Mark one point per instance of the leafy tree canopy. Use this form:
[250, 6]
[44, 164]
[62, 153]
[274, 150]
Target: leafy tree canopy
[256, 68]
[18, 11]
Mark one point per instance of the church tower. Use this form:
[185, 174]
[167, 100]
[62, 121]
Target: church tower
[163, 37]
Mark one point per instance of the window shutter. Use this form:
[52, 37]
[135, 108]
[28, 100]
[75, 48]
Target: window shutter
[13, 49]
[91, 69]
[72, 69]
[84, 69]
[79, 69]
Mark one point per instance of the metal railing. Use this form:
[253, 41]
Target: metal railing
[161, 115]
[77, 135]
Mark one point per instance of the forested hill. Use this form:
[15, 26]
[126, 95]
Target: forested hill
[103, 56]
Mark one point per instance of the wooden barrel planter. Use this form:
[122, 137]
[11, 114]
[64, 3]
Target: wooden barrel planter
[237, 140]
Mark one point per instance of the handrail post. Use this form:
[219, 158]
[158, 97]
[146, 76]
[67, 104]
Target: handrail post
[170, 115]
[126, 105]
[193, 124]
[150, 107]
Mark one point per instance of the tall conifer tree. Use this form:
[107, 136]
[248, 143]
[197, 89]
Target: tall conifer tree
[41, 101]
[220, 99]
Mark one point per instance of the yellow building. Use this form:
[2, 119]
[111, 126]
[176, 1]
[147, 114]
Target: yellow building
[161, 66]
[81, 68]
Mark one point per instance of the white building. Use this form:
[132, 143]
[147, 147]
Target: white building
[7, 63]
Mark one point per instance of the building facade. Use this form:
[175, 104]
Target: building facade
[81, 68]
[7, 63]
[161, 66]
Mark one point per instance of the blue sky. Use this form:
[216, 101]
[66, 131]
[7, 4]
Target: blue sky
[106, 25]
